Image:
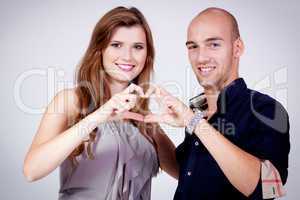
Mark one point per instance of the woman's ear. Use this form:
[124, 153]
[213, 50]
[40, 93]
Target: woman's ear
[238, 47]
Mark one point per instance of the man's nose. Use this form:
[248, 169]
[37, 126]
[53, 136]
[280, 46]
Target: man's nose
[202, 56]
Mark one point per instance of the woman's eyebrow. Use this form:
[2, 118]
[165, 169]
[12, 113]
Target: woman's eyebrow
[116, 41]
[141, 43]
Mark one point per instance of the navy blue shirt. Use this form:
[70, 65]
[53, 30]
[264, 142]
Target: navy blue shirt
[255, 122]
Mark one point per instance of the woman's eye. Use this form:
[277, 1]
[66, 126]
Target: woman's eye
[138, 47]
[117, 45]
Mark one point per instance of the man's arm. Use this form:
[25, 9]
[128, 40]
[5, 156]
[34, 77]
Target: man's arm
[269, 141]
[241, 168]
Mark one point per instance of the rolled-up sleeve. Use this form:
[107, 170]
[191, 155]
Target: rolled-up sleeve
[270, 141]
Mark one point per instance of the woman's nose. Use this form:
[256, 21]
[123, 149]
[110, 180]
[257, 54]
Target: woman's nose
[127, 54]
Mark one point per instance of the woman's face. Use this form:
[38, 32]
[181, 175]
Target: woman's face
[124, 57]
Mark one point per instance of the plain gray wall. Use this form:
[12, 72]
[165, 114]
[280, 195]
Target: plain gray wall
[42, 41]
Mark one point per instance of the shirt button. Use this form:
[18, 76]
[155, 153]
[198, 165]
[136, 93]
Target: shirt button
[196, 143]
[189, 173]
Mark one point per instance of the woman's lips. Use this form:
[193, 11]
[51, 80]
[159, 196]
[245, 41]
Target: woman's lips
[125, 67]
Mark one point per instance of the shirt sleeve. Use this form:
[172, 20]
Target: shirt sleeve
[270, 140]
[180, 153]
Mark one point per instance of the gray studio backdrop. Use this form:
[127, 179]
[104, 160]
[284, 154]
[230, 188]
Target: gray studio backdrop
[41, 42]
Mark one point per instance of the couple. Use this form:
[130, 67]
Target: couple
[109, 145]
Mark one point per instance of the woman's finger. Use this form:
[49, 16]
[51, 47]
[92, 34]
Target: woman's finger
[125, 102]
[130, 99]
[134, 89]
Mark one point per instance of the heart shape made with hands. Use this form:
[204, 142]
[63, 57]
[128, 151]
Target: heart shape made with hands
[167, 104]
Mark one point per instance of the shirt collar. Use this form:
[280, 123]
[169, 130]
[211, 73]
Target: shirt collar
[226, 97]
[229, 94]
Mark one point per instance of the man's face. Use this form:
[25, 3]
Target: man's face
[211, 50]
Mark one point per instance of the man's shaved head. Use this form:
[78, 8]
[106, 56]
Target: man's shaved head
[227, 15]
[214, 47]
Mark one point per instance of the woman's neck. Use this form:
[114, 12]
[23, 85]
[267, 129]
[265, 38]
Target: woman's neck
[117, 86]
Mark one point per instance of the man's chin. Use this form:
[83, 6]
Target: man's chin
[208, 84]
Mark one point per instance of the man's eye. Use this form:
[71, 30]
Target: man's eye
[192, 46]
[214, 45]
[117, 45]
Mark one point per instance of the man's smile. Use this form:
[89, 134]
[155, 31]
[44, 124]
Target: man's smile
[206, 69]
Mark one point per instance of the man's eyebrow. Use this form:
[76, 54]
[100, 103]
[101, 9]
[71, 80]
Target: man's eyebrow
[213, 39]
[206, 40]
[189, 43]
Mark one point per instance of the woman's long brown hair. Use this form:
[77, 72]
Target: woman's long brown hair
[92, 86]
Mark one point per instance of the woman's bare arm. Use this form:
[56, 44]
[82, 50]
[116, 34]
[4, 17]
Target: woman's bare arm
[54, 140]
[166, 153]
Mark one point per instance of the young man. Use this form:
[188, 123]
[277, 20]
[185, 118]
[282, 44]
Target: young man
[244, 136]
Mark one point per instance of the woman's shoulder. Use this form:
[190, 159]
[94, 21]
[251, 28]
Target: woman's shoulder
[67, 101]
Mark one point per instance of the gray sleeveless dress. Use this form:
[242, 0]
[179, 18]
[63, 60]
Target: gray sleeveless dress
[125, 161]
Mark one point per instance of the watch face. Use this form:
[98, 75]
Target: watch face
[198, 102]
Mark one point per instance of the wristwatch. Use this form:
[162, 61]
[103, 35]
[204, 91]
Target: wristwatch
[194, 121]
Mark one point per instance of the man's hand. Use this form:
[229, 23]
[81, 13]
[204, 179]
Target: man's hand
[172, 111]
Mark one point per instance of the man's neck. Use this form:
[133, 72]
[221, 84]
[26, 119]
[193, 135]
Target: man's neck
[212, 94]
[211, 97]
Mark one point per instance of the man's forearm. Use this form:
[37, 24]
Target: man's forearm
[241, 168]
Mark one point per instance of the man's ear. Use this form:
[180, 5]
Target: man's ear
[238, 47]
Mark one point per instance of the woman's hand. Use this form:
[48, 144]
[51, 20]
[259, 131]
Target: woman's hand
[119, 105]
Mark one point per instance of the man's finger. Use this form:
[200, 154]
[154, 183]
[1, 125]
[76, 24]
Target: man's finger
[150, 91]
[152, 118]
[162, 91]
[132, 115]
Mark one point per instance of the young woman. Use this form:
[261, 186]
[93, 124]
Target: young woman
[95, 131]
